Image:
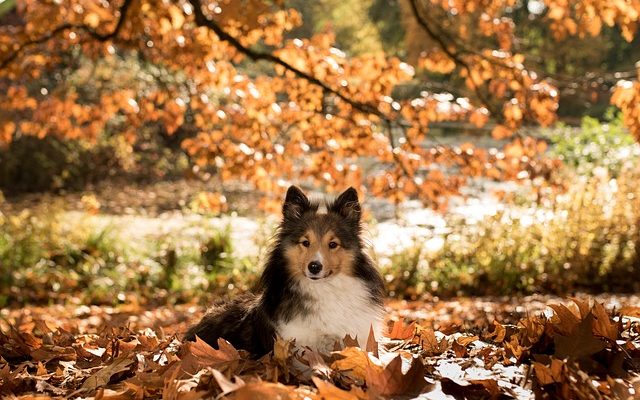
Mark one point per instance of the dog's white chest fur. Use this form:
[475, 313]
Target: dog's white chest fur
[338, 306]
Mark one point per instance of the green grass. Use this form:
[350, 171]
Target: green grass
[47, 256]
[589, 241]
[6, 6]
[605, 146]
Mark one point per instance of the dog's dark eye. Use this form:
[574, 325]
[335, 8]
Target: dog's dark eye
[306, 243]
[333, 245]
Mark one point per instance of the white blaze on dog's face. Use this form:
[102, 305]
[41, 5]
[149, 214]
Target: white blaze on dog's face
[320, 245]
[319, 255]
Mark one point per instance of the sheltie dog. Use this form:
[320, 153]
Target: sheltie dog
[318, 285]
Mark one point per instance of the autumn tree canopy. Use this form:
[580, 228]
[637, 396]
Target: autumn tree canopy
[269, 107]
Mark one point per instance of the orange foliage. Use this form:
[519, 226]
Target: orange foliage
[314, 112]
[627, 97]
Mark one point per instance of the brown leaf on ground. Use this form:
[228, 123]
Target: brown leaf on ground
[264, 390]
[225, 384]
[102, 377]
[372, 343]
[17, 344]
[498, 334]
[328, 391]
[430, 344]
[226, 357]
[522, 356]
[580, 342]
[349, 341]
[47, 353]
[459, 350]
[548, 374]
[390, 381]
[565, 319]
[602, 324]
[532, 329]
[401, 331]
[490, 386]
[474, 389]
[353, 361]
[126, 392]
[466, 340]
[630, 311]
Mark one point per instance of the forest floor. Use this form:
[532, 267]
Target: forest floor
[511, 347]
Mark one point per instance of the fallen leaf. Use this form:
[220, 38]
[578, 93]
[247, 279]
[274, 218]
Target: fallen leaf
[47, 353]
[498, 334]
[103, 376]
[390, 381]
[225, 357]
[490, 386]
[401, 332]
[602, 324]
[225, 384]
[466, 340]
[328, 391]
[583, 306]
[353, 361]
[630, 311]
[566, 320]
[459, 350]
[263, 390]
[430, 344]
[372, 343]
[349, 341]
[581, 342]
[548, 374]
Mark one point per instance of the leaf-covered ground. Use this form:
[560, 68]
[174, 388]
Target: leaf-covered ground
[466, 348]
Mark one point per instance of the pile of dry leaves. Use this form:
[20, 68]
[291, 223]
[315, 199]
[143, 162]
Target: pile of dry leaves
[577, 352]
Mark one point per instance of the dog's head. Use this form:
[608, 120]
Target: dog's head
[319, 245]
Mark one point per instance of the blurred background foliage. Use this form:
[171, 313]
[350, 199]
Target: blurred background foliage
[587, 239]
[583, 68]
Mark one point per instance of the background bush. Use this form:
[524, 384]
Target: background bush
[587, 240]
[48, 255]
[595, 145]
[30, 164]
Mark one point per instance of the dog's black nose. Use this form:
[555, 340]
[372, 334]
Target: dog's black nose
[315, 267]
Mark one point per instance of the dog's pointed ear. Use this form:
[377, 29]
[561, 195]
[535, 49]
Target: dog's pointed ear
[295, 203]
[347, 205]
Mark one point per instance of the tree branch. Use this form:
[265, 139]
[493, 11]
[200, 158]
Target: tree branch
[202, 20]
[453, 55]
[102, 37]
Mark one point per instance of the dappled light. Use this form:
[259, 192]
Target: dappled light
[461, 182]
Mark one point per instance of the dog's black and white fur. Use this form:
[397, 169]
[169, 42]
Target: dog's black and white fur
[317, 286]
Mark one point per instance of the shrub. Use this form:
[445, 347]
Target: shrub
[30, 164]
[216, 251]
[586, 240]
[44, 256]
[48, 255]
[594, 145]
